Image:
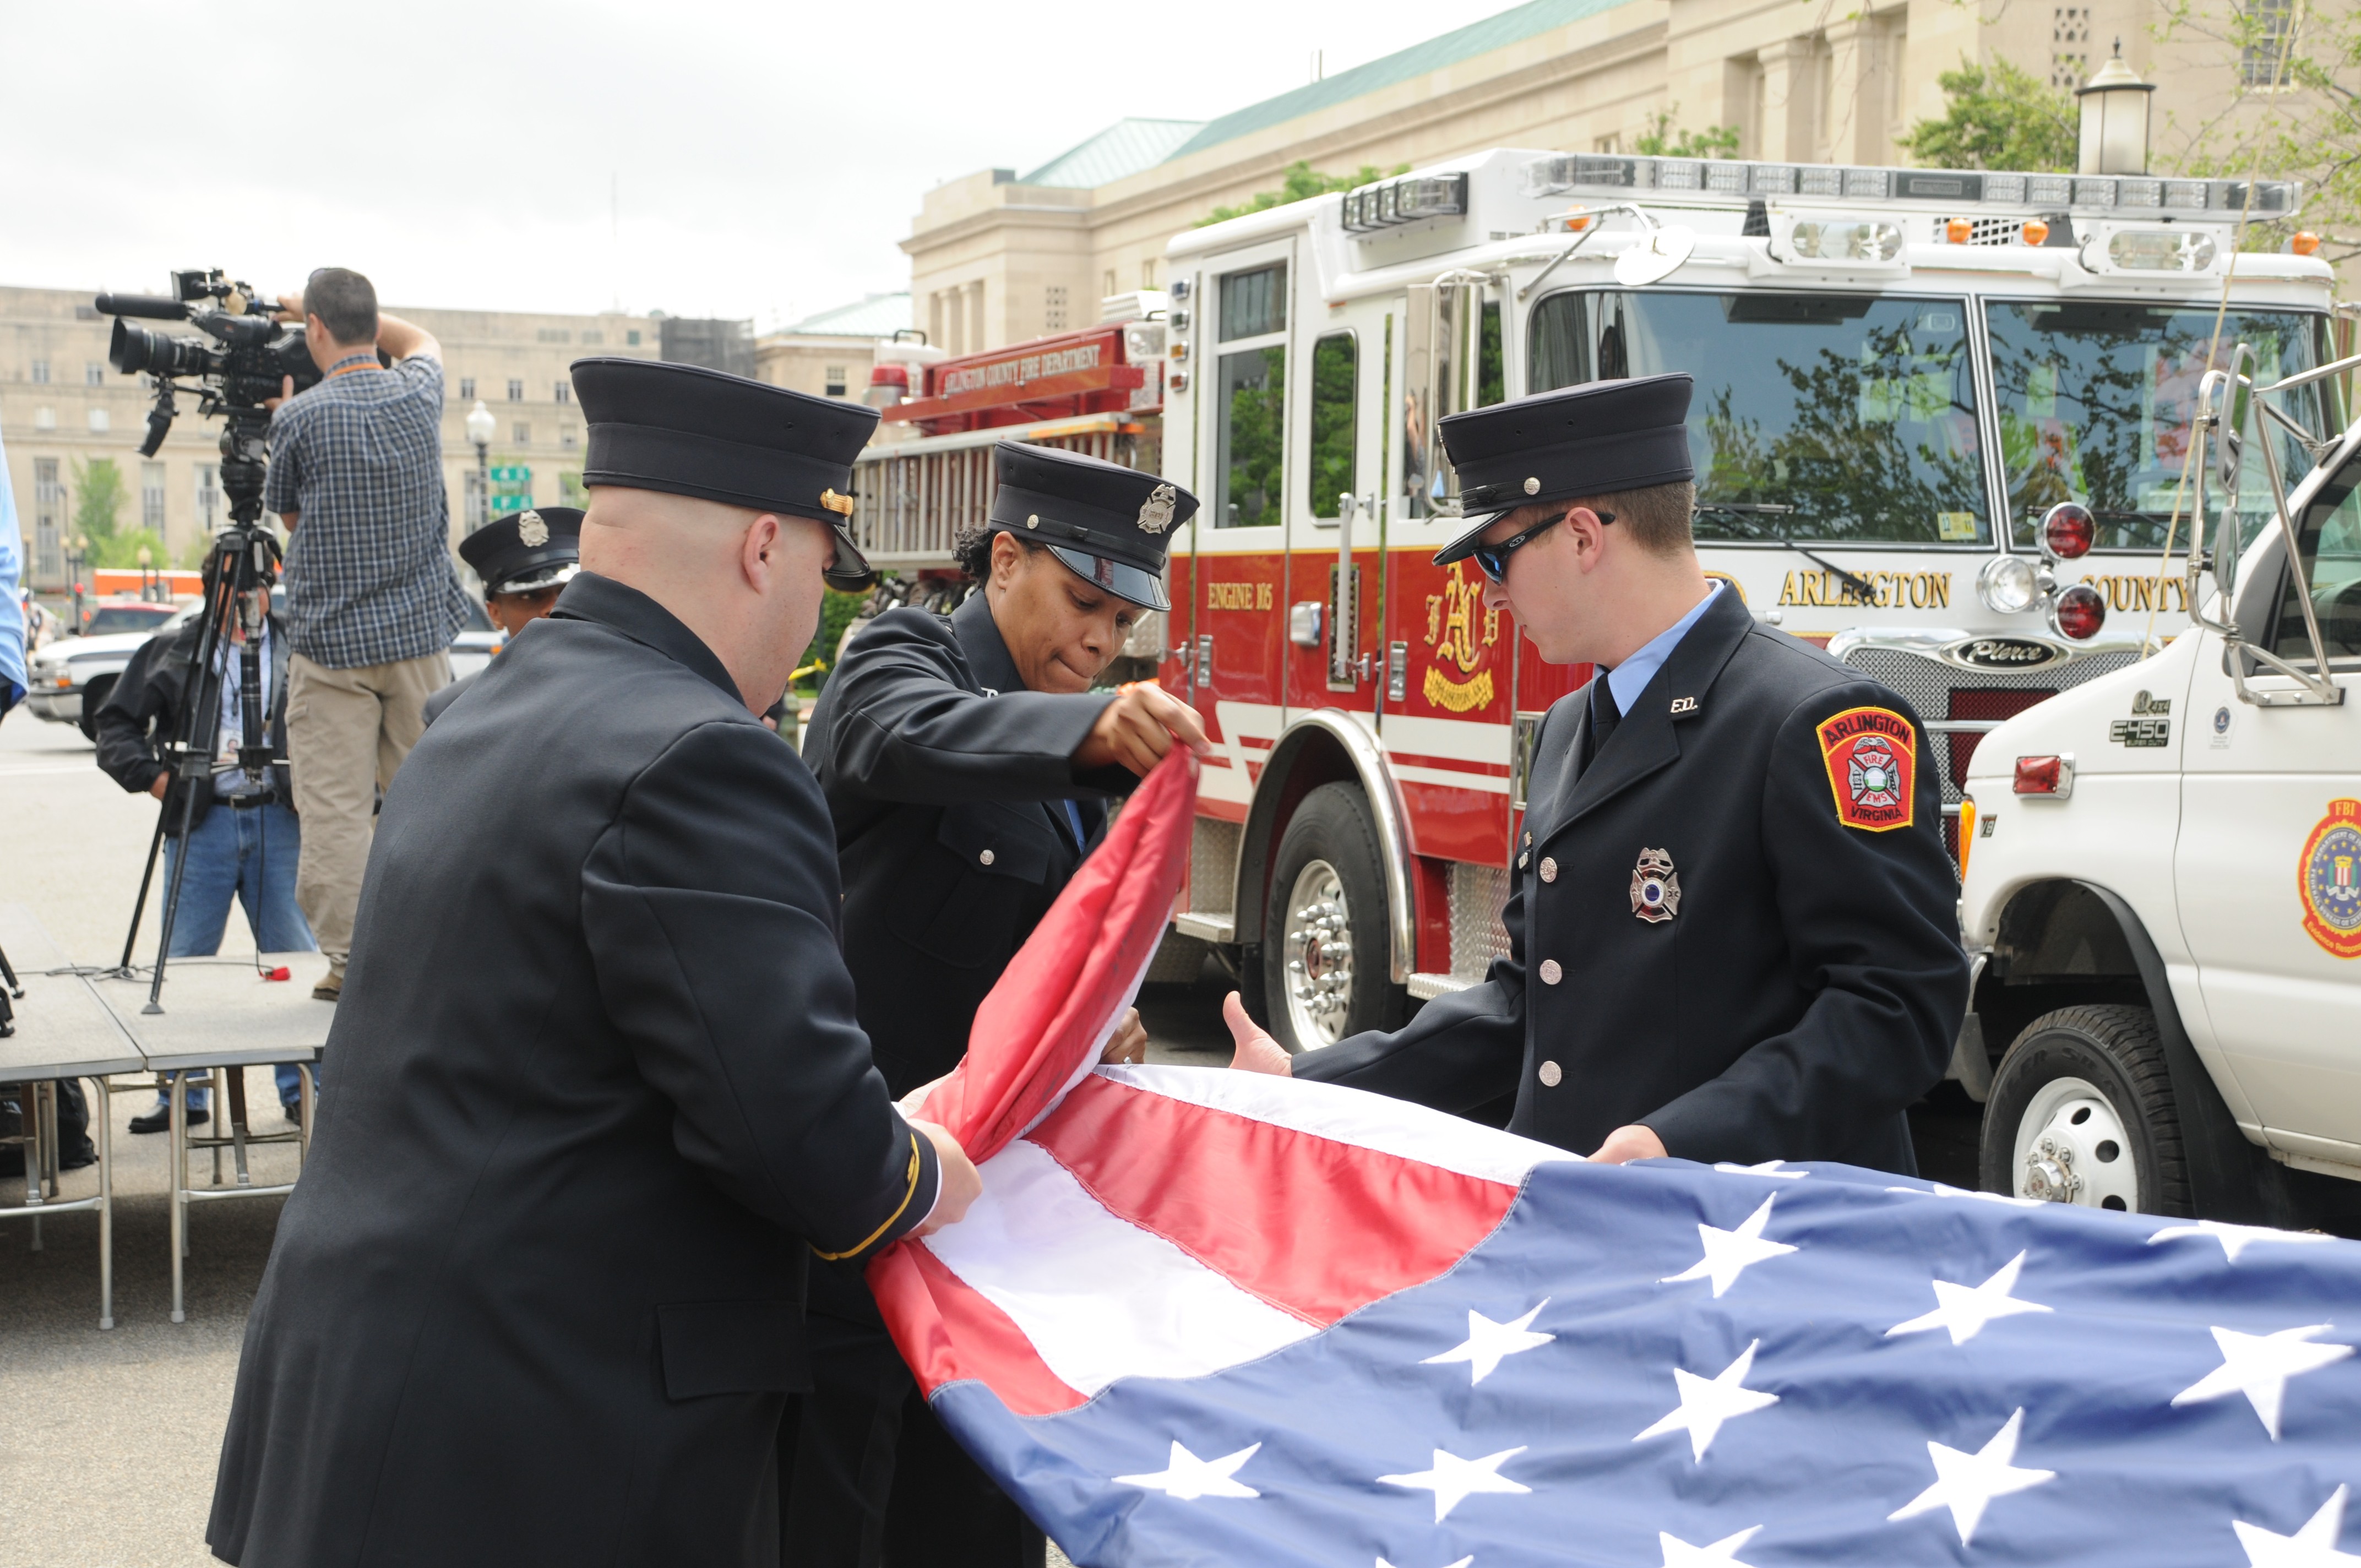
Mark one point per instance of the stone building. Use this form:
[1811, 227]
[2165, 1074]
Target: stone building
[830, 355]
[995, 258]
[61, 405]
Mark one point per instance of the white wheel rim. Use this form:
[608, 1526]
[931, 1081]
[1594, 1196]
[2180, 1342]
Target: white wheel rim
[2071, 1147]
[1319, 955]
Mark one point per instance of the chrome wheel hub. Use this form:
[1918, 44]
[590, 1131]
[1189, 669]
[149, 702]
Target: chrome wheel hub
[1319, 952]
[2071, 1147]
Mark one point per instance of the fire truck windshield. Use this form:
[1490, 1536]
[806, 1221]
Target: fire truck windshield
[2096, 401]
[1817, 417]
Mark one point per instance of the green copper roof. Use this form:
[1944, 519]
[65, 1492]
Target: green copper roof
[877, 315]
[1124, 149]
[1466, 43]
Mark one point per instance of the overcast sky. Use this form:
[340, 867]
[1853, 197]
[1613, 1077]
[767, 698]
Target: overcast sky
[699, 156]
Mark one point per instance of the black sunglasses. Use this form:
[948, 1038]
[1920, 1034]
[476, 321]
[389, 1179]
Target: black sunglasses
[1494, 558]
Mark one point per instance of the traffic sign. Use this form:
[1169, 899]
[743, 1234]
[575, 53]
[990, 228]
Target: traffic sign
[512, 475]
[510, 503]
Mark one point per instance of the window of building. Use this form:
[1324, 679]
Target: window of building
[516, 391]
[41, 372]
[631, 337]
[571, 490]
[563, 393]
[99, 423]
[1053, 308]
[568, 437]
[1254, 303]
[834, 378]
[472, 495]
[592, 337]
[552, 334]
[522, 433]
[2264, 62]
[93, 373]
[151, 497]
[49, 521]
[467, 386]
[1610, 143]
[209, 495]
[1333, 364]
[45, 419]
[1148, 273]
[1106, 286]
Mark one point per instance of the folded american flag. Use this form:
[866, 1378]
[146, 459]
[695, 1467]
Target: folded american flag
[1208, 1317]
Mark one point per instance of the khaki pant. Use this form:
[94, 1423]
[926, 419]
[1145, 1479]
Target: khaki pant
[347, 731]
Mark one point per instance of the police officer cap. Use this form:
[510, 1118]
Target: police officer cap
[1109, 524]
[1590, 440]
[692, 431]
[537, 549]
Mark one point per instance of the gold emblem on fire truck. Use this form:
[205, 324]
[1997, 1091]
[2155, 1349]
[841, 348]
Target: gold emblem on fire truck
[1451, 622]
[1155, 511]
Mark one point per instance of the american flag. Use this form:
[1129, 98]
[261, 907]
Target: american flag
[1201, 1317]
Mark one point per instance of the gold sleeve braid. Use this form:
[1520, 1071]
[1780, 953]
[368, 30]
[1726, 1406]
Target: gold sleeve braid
[910, 1192]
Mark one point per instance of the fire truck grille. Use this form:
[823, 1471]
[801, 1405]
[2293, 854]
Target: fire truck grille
[1476, 934]
[1937, 692]
[1214, 868]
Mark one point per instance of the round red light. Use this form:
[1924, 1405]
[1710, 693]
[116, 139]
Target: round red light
[2069, 531]
[2081, 612]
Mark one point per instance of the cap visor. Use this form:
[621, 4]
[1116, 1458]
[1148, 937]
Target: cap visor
[1120, 578]
[852, 572]
[1464, 546]
[540, 577]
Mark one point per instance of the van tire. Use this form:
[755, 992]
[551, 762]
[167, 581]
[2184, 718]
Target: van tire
[2080, 1089]
[1331, 829]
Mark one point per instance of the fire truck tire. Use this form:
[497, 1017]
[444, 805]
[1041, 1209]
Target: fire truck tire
[1326, 967]
[2082, 1111]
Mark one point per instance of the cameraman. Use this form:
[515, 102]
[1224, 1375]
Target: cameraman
[243, 841]
[373, 602]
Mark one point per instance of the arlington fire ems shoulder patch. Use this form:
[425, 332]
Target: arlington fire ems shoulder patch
[1873, 760]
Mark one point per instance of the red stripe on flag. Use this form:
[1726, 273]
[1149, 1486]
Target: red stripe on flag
[1317, 1227]
[948, 1331]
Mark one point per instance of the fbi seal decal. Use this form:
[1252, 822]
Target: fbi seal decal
[1872, 760]
[2330, 878]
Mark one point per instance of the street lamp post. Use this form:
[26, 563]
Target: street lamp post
[152, 581]
[77, 557]
[481, 425]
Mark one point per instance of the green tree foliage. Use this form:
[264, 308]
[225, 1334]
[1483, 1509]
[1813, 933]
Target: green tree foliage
[99, 493]
[1661, 139]
[2300, 67]
[2000, 119]
[123, 549]
[837, 612]
[1300, 183]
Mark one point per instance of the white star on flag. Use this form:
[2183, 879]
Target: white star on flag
[2258, 1365]
[1966, 1483]
[1488, 1342]
[1706, 1402]
[1966, 1310]
[1463, 1562]
[1188, 1477]
[2235, 1239]
[1679, 1553]
[1729, 1254]
[1768, 1167]
[2312, 1546]
[1454, 1479]
[1938, 1189]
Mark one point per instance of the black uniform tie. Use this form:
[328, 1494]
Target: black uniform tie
[1604, 717]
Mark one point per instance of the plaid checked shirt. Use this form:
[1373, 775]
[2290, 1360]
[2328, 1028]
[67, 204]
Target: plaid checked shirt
[359, 459]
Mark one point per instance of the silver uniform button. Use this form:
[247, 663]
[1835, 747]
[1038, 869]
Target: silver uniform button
[1548, 869]
[1550, 973]
[985, 857]
[1550, 1075]
[1521, 860]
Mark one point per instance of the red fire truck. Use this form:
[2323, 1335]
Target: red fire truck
[1898, 372]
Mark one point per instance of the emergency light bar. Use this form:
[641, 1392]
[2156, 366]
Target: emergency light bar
[1409, 200]
[1567, 173]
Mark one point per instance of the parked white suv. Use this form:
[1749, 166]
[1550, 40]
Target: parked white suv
[2162, 893]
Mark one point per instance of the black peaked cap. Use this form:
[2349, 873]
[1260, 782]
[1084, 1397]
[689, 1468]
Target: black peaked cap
[1589, 439]
[1110, 524]
[688, 430]
[530, 549]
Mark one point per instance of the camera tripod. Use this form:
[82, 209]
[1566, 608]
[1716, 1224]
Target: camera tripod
[238, 574]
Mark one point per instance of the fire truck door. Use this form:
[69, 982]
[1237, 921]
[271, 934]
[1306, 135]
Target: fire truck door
[2268, 866]
[1334, 654]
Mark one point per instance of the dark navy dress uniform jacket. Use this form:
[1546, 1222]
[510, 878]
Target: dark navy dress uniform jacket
[1810, 984]
[594, 1084]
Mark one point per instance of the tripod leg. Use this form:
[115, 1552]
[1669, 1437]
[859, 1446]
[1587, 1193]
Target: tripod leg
[233, 1084]
[147, 877]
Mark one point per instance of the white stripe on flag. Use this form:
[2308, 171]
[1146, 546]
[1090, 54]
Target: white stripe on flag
[1350, 1116]
[1098, 1297]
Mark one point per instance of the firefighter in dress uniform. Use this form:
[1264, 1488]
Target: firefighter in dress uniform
[966, 760]
[1731, 912]
[600, 1091]
[523, 561]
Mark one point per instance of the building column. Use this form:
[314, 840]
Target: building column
[1787, 102]
[1852, 119]
[978, 337]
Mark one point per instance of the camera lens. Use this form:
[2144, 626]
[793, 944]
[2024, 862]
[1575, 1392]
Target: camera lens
[132, 349]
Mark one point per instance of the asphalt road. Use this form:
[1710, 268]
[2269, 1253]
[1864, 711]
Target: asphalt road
[109, 1439]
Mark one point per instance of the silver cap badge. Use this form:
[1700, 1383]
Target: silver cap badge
[532, 531]
[1155, 511]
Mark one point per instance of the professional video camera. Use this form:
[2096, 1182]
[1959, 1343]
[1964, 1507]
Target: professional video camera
[247, 362]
